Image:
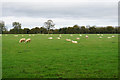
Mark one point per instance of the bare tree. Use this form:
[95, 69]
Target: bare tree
[48, 25]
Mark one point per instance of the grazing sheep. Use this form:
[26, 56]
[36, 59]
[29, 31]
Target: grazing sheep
[98, 34]
[86, 36]
[80, 35]
[77, 38]
[71, 35]
[68, 40]
[29, 35]
[113, 36]
[0, 35]
[109, 37]
[16, 35]
[28, 40]
[100, 37]
[58, 37]
[22, 40]
[50, 38]
[74, 41]
[101, 34]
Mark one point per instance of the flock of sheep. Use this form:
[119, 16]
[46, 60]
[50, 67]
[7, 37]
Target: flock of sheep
[69, 40]
[24, 40]
[59, 37]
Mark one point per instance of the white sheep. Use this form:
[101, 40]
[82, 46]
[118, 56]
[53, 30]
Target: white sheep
[86, 36]
[109, 37]
[113, 36]
[29, 35]
[22, 40]
[71, 35]
[80, 35]
[28, 40]
[74, 41]
[68, 39]
[58, 37]
[16, 35]
[100, 37]
[50, 38]
[101, 34]
[77, 38]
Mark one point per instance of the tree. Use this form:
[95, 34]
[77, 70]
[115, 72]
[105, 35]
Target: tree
[26, 30]
[109, 29]
[17, 26]
[76, 29]
[92, 29]
[83, 30]
[48, 25]
[2, 27]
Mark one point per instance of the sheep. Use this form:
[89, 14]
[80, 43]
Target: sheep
[29, 35]
[50, 38]
[100, 37]
[101, 34]
[86, 36]
[71, 35]
[80, 35]
[109, 37]
[28, 40]
[22, 40]
[0, 35]
[77, 38]
[16, 35]
[22, 35]
[68, 40]
[74, 41]
[113, 36]
[98, 34]
[58, 37]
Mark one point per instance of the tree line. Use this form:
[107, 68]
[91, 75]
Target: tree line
[48, 29]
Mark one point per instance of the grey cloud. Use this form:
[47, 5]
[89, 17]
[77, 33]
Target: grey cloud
[62, 10]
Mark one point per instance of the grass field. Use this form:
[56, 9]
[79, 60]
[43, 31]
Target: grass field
[43, 58]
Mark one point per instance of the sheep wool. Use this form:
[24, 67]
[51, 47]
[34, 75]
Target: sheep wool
[68, 40]
[74, 41]
[22, 40]
[28, 40]
[77, 38]
[50, 38]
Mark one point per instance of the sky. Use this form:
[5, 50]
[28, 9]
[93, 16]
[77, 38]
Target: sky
[64, 13]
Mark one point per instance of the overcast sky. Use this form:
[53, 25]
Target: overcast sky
[63, 13]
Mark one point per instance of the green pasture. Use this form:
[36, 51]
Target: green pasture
[43, 58]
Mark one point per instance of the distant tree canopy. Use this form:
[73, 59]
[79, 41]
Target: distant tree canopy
[76, 29]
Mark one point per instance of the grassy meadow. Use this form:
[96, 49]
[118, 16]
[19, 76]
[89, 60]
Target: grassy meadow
[43, 58]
